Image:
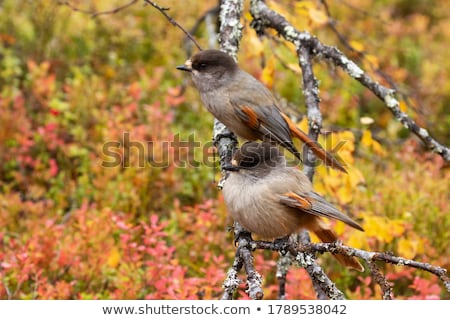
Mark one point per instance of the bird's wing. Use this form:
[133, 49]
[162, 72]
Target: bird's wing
[314, 204]
[258, 106]
[267, 121]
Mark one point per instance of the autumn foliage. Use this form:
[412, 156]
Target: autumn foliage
[72, 227]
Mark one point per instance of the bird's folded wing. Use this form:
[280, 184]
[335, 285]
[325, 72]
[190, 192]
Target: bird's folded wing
[314, 204]
[268, 121]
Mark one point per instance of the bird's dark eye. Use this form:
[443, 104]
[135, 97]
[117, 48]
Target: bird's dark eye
[202, 66]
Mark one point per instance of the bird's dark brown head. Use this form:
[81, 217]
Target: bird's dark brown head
[209, 61]
[210, 69]
[257, 156]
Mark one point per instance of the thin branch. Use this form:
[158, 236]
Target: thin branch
[163, 10]
[267, 18]
[213, 11]
[95, 14]
[173, 21]
[436, 270]
[363, 12]
[283, 264]
[385, 286]
[230, 26]
[369, 257]
[305, 253]
[324, 287]
[311, 94]
[212, 34]
[254, 279]
[243, 258]
[226, 144]
[231, 283]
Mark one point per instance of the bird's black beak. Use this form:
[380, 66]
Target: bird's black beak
[187, 66]
[230, 167]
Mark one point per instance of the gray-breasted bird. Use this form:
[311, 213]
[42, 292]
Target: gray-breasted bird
[273, 200]
[245, 105]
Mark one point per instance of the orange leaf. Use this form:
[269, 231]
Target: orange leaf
[113, 258]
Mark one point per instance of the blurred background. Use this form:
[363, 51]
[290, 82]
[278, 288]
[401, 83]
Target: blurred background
[96, 201]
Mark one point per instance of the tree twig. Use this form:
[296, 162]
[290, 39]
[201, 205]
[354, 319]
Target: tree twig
[212, 34]
[385, 286]
[325, 288]
[173, 21]
[305, 252]
[311, 94]
[243, 258]
[369, 256]
[283, 264]
[322, 284]
[230, 26]
[97, 13]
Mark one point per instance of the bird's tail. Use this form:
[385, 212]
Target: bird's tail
[316, 148]
[325, 234]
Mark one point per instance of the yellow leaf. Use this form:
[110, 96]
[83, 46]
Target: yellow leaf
[294, 67]
[403, 106]
[410, 246]
[256, 44]
[366, 139]
[248, 16]
[397, 227]
[302, 8]
[375, 227]
[339, 228]
[317, 16]
[280, 9]
[268, 72]
[333, 181]
[345, 192]
[346, 142]
[357, 240]
[378, 149]
[344, 138]
[303, 125]
[347, 136]
[358, 46]
[113, 258]
[373, 60]
[355, 177]
[382, 228]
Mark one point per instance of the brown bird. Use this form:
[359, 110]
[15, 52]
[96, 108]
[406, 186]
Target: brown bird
[273, 200]
[245, 105]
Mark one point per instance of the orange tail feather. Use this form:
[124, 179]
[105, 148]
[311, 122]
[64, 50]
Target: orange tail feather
[323, 155]
[327, 235]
